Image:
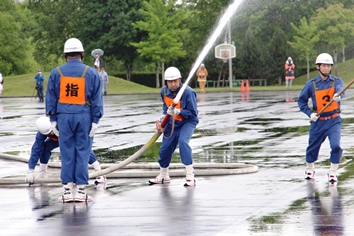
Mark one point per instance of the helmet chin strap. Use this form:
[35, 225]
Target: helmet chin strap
[325, 75]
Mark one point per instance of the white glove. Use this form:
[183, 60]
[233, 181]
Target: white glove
[29, 177]
[54, 128]
[336, 98]
[173, 111]
[93, 130]
[161, 118]
[314, 117]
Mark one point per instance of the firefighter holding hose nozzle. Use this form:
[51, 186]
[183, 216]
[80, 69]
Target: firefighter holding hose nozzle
[183, 119]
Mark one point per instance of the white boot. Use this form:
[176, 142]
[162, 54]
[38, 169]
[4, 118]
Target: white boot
[310, 170]
[68, 195]
[81, 195]
[42, 171]
[162, 178]
[332, 173]
[190, 181]
[30, 177]
[100, 179]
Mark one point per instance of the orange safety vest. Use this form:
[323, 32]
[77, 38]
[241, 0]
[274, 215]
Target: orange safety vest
[323, 97]
[72, 89]
[169, 101]
[53, 137]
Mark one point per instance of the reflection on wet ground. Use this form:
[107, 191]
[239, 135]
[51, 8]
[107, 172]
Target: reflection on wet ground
[261, 128]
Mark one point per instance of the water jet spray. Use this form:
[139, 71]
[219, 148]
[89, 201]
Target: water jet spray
[230, 11]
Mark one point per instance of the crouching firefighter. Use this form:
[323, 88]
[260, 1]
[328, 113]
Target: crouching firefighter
[179, 129]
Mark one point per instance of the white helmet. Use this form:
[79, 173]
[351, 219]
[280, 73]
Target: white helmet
[43, 125]
[324, 58]
[73, 45]
[202, 65]
[172, 73]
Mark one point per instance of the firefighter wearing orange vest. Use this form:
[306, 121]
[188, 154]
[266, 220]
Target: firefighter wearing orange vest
[202, 75]
[179, 129]
[289, 72]
[74, 105]
[42, 148]
[322, 89]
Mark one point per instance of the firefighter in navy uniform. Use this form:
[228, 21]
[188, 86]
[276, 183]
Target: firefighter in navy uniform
[180, 127]
[321, 90]
[42, 148]
[74, 105]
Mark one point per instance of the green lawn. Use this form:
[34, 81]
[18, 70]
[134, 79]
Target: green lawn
[23, 85]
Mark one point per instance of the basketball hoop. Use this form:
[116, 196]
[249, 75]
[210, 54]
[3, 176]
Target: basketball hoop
[225, 54]
[225, 51]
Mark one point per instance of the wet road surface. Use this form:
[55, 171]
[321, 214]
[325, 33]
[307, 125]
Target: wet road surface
[265, 129]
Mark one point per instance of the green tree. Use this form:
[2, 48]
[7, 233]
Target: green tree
[252, 56]
[108, 25]
[57, 21]
[15, 53]
[334, 25]
[164, 42]
[202, 19]
[274, 56]
[305, 40]
[271, 24]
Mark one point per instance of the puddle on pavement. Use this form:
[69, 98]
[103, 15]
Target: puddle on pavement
[262, 129]
[323, 206]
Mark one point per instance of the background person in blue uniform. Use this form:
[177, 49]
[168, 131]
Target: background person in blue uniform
[39, 85]
[185, 120]
[42, 148]
[321, 90]
[74, 105]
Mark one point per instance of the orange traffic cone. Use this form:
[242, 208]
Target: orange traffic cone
[247, 86]
[242, 87]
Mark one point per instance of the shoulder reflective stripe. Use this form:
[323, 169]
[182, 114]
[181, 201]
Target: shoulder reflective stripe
[314, 84]
[60, 73]
[334, 81]
[84, 73]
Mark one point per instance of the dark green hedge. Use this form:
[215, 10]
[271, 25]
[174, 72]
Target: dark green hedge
[149, 79]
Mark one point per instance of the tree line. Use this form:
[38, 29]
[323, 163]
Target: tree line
[150, 35]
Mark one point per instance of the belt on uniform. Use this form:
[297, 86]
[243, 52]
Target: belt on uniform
[335, 115]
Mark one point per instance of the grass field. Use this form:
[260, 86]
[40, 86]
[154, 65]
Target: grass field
[23, 85]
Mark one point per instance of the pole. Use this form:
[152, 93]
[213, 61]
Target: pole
[33, 93]
[230, 59]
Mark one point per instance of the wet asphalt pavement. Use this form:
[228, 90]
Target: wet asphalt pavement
[265, 129]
